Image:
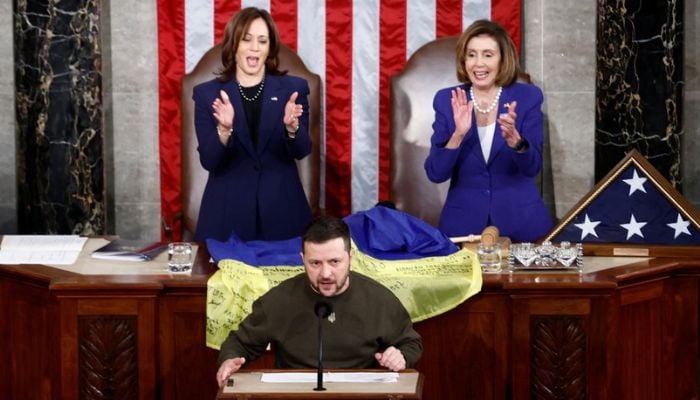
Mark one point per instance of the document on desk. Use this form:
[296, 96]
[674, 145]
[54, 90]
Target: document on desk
[41, 249]
[353, 377]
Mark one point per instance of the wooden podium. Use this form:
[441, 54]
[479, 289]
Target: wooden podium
[248, 385]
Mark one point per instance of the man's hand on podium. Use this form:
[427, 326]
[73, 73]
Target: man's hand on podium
[392, 359]
[227, 369]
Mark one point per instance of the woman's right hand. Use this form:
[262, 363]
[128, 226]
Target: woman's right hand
[223, 111]
[462, 111]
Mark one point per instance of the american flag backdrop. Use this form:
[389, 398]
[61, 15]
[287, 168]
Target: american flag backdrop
[354, 45]
[633, 204]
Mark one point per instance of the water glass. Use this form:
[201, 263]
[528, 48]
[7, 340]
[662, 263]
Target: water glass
[489, 257]
[179, 257]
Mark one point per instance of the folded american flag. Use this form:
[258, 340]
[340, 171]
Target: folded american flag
[632, 204]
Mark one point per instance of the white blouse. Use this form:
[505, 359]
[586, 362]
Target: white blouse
[486, 139]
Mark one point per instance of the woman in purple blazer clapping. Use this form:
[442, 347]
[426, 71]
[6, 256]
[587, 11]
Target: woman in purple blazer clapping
[487, 138]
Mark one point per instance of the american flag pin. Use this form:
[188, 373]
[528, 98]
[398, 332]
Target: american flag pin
[274, 99]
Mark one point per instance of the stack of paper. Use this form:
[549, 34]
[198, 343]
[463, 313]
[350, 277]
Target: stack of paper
[41, 249]
[304, 377]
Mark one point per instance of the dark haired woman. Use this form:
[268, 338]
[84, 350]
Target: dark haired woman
[252, 124]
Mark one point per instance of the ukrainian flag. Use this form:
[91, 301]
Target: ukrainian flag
[419, 264]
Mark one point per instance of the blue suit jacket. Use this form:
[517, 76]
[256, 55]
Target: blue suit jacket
[502, 190]
[254, 191]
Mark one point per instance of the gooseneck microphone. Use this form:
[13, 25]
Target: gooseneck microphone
[322, 309]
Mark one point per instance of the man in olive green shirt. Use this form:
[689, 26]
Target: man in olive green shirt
[368, 327]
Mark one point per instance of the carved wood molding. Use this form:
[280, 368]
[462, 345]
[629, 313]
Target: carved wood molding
[558, 363]
[108, 357]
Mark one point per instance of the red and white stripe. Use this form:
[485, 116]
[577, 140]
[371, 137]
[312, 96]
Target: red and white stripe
[354, 45]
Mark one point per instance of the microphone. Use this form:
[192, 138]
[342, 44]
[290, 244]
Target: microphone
[322, 309]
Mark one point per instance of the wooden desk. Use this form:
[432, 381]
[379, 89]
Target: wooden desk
[629, 332]
[249, 387]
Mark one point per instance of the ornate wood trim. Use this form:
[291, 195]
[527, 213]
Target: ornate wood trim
[558, 363]
[107, 357]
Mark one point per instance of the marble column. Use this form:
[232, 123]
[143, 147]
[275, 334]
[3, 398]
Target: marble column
[58, 83]
[639, 84]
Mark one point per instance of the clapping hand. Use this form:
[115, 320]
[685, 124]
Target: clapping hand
[462, 111]
[223, 110]
[507, 123]
[292, 112]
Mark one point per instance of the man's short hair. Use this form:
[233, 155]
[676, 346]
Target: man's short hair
[325, 228]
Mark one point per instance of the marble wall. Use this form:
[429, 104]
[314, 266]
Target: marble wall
[58, 103]
[133, 168]
[559, 53]
[690, 139]
[8, 185]
[639, 84]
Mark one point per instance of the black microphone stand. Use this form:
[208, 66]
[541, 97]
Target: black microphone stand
[322, 310]
[319, 379]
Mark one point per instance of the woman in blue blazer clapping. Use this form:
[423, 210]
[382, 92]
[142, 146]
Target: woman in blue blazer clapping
[487, 138]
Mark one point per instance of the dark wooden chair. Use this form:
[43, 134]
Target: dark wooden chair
[194, 177]
[430, 68]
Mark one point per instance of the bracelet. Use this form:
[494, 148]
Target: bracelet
[521, 145]
[291, 134]
[225, 132]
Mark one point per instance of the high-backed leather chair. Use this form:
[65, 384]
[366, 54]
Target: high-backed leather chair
[431, 68]
[194, 176]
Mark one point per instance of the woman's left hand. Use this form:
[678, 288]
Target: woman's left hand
[507, 124]
[292, 112]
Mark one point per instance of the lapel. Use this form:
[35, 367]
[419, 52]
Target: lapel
[473, 142]
[240, 124]
[272, 111]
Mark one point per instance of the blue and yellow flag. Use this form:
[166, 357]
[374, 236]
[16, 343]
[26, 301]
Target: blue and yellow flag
[420, 265]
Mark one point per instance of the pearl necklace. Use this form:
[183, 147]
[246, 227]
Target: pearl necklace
[257, 94]
[491, 106]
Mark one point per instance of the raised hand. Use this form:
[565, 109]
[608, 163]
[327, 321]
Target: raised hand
[223, 111]
[462, 111]
[292, 112]
[507, 124]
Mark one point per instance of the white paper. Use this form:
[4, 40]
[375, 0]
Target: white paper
[41, 249]
[310, 377]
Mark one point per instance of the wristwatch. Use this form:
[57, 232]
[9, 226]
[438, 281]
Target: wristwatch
[521, 145]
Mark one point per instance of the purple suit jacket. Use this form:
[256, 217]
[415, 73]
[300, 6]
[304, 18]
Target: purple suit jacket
[254, 191]
[502, 191]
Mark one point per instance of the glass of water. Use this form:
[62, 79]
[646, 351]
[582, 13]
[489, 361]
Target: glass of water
[489, 257]
[179, 257]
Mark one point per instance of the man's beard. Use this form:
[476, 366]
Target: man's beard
[340, 285]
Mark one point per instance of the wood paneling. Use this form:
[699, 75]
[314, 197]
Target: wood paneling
[107, 360]
[626, 333]
[558, 358]
[188, 367]
[465, 350]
